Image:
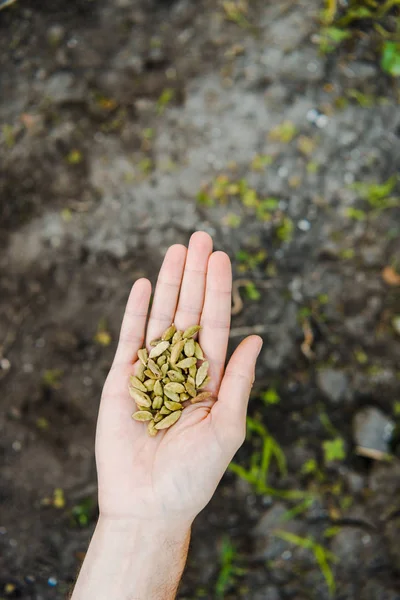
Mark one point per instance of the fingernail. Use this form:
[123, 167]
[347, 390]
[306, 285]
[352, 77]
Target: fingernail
[260, 347]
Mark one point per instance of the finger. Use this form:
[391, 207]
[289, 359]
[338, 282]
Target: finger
[167, 291]
[216, 315]
[191, 297]
[230, 410]
[134, 322]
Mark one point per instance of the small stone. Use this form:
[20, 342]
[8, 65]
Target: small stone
[372, 431]
[304, 225]
[333, 383]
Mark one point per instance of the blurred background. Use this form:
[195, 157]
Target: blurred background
[125, 126]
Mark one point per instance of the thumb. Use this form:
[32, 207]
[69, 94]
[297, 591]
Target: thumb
[229, 412]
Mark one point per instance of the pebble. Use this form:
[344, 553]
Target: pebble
[304, 225]
[333, 383]
[372, 429]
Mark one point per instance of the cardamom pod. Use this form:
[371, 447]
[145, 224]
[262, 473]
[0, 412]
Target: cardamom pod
[151, 428]
[140, 369]
[159, 349]
[176, 376]
[191, 389]
[169, 421]
[158, 388]
[149, 384]
[143, 356]
[171, 395]
[154, 368]
[142, 415]
[168, 333]
[140, 397]
[173, 405]
[198, 352]
[189, 347]
[136, 383]
[164, 411]
[157, 402]
[201, 397]
[187, 362]
[176, 351]
[177, 337]
[178, 388]
[191, 331]
[193, 371]
[202, 373]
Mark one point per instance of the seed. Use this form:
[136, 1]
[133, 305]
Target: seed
[198, 352]
[151, 428]
[157, 402]
[171, 395]
[142, 415]
[136, 383]
[164, 369]
[167, 376]
[149, 384]
[176, 376]
[189, 347]
[158, 388]
[202, 373]
[153, 367]
[205, 382]
[187, 362]
[191, 331]
[201, 397]
[161, 360]
[140, 371]
[140, 397]
[173, 405]
[168, 333]
[159, 349]
[178, 388]
[190, 388]
[177, 337]
[143, 356]
[176, 351]
[170, 420]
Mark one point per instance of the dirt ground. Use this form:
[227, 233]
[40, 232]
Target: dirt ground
[124, 127]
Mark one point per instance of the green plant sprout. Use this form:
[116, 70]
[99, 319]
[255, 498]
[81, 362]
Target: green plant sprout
[229, 571]
[260, 462]
[341, 23]
[322, 556]
[270, 396]
[334, 449]
[251, 291]
[378, 195]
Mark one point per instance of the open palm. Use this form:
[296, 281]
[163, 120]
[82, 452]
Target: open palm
[175, 474]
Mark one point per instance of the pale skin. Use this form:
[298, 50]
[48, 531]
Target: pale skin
[151, 489]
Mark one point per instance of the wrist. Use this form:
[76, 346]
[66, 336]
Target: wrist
[130, 529]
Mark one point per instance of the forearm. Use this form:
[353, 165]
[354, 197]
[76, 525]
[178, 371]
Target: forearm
[125, 561]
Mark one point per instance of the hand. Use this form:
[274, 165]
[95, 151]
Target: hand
[170, 478]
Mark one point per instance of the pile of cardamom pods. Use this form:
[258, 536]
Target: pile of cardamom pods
[174, 372]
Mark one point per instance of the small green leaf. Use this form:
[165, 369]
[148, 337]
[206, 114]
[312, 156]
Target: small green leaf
[270, 396]
[390, 61]
[334, 449]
